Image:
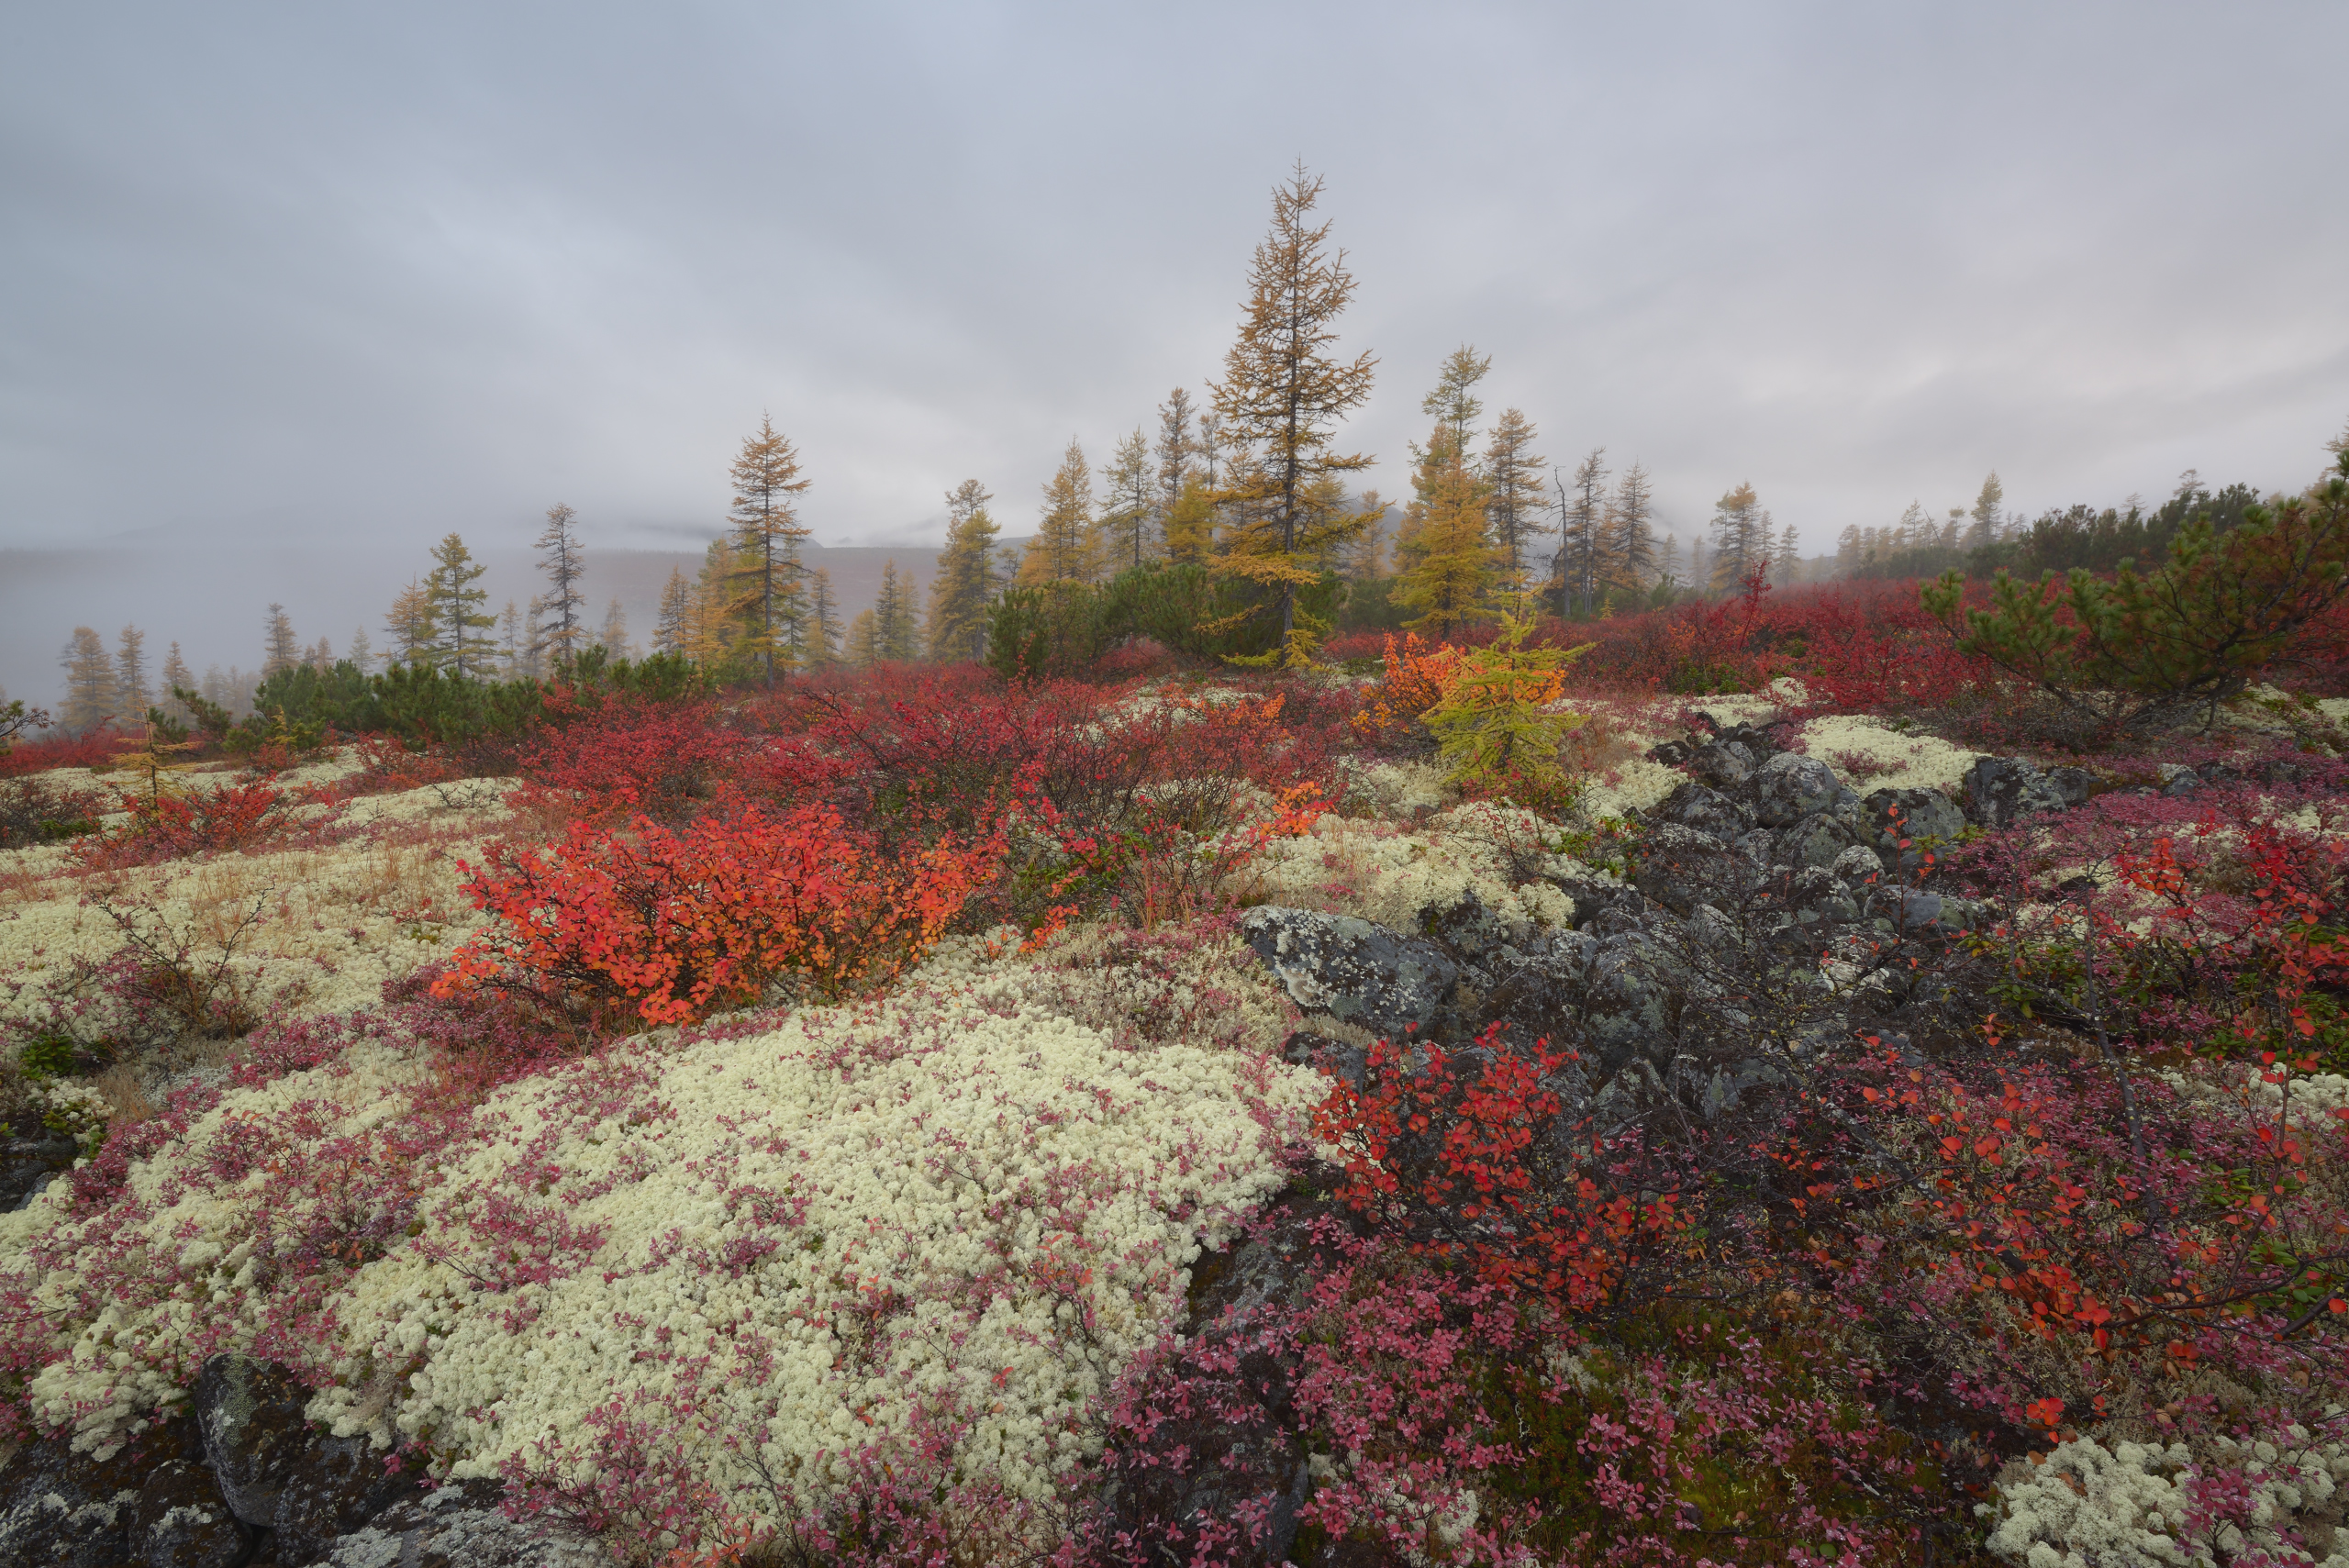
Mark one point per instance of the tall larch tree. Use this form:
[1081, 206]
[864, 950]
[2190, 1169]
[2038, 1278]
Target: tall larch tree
[408, 626]
[1177, 452]
[670, 623]
[1517, 512]
[1630, 552]
[1741, 538]
[1061, 551]
[896, 639]
[769, 581]
[615, 638]
[130, 671]
[1582, 545]
[91, 695]
[561, 611]
[1282, 395]
[1190, 522]
[1429, 464]
[713, 628]
[1457, 566]
[362, 652]
[864, 647]
[1667, 562]
[1454, 402]
[1986, 513]
[460, 619]
[1364, 557]
[964, 580]
[1130, 491]
[514, 652]
[1785, 561]
[823, 620]
[177, 677]
[280, 650]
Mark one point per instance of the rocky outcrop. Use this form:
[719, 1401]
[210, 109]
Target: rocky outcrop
[1352, 970]
[245, 1480]
[27, 1164]
[459, 1526]
[2002, 791]
[63, 1510]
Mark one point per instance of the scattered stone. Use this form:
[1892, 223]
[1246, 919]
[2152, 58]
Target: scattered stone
[333, 1487]
[1789, 787]
[2002, 791]
[2177, 780]
[1707, 810]
[1923, 816]
[1352, 970]
[1723, 767]
[1677, 864]
[27, 1164]
[63, 1510]
[461, 1525]
[248, 1413]
[182, 1521]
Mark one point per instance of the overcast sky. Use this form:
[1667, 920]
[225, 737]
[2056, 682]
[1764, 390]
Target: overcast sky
[335, 273]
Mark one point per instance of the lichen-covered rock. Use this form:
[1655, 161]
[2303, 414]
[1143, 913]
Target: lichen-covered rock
[1816, 840]
[24, 1162]
[63, 1510]
[463, 1526]
[248, 1413]
[1351, 970]
[1920, 816]
[1789, 787]
[1723, 767]
[1227, 1461]
[1679, 866]
[332, 1488]
[1705, 810]
[2002, 791]
[182, 1521]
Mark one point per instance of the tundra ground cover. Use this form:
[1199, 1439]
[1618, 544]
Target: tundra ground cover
[884, 1257]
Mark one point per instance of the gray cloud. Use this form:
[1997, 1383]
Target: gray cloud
[333, 274]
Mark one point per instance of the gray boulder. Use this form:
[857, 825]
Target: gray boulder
[1693, 804]
[1816, 840]
[463, 1526]
[1678, 866]
[1916, 815]
[1789, 787]
[1352, 970]
[26, 1165]
[334, 1486]
[181, 1520]
[249, 1414]
[63, 1510]
[1723, 766]
[2002, 791]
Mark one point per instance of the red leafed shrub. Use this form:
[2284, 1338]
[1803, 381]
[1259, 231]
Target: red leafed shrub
[1869, 647]
[618, 755]
[662, 925]
[95, 747]
[234, 817]
[1478, 1165]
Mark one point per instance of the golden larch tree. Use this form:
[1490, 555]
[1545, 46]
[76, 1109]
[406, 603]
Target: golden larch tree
[770, 593]
[964, 580]
[1453, 578]
[1063, 551]
[1519, 498]
[1282, 394]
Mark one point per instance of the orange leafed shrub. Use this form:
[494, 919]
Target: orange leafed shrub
[669, 926]
[1415, 679]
